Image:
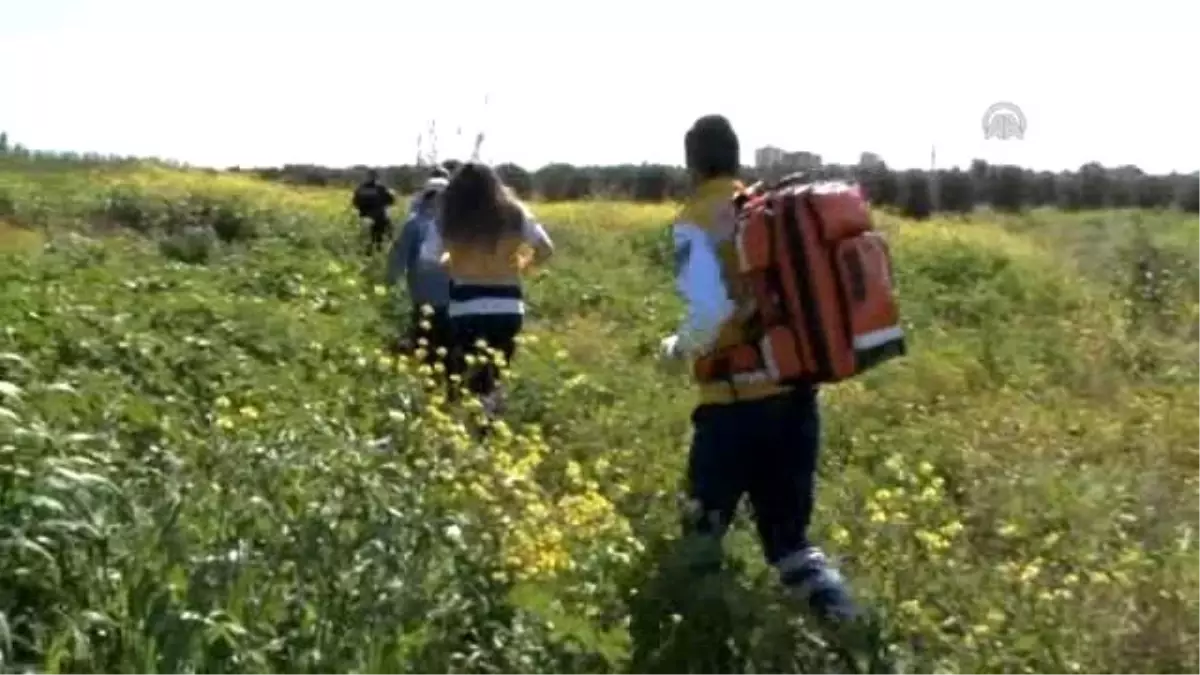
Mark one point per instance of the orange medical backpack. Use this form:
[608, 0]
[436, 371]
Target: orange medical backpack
[821, 279]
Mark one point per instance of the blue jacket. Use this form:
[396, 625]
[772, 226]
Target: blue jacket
[428, 282]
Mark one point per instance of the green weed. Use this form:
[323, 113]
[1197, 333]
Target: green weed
[208, 462]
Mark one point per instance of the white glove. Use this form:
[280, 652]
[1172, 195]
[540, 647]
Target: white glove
[669, 348]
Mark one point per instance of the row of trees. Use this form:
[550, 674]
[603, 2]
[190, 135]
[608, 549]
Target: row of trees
[918, 193]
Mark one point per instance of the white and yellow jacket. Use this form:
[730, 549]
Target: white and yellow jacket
[706, 278]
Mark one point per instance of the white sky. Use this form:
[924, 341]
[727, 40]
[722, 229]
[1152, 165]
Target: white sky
[264, 82]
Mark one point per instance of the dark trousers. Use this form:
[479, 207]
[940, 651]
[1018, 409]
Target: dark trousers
[486, 317]
[430, 331]
[496, 331]
[381, 229]
[766, 449]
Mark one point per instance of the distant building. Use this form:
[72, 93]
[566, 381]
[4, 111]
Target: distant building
[769, 156]
[778, 159]
[801, 160]
[869, 159]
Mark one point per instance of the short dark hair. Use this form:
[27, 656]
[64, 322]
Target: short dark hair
[451, 165]
[712, 148]
[439, 171]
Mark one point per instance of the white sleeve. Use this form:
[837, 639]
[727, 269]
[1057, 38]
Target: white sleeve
[532, 231]
[699, 282]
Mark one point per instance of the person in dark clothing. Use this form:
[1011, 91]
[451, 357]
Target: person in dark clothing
[372, 200]
[428, 283]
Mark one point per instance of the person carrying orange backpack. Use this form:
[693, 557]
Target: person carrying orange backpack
[754, 434]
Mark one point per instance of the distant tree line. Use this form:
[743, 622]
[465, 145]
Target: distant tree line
[915, 192]
[11, 150]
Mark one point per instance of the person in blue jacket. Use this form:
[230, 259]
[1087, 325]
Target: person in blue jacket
[427, 282]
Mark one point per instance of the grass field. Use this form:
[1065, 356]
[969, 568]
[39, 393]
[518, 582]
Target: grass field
[208, 464]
